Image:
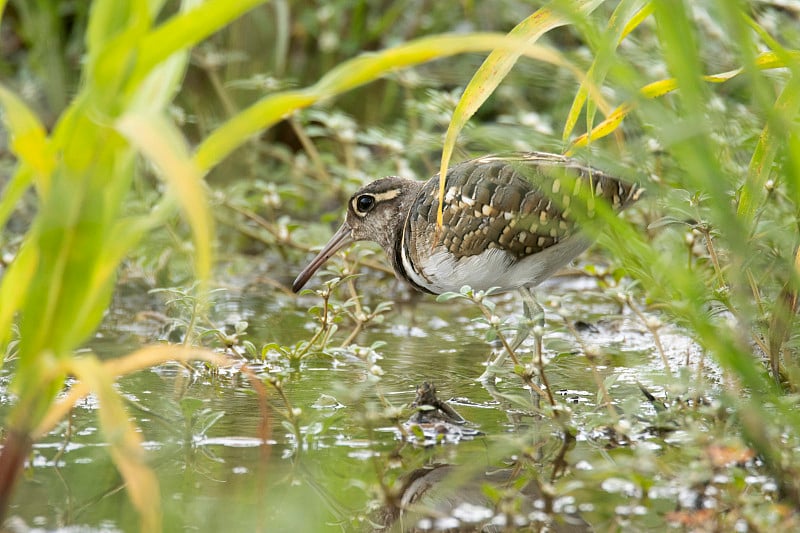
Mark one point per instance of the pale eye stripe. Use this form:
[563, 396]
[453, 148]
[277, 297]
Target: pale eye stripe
[379, 197]
[388, 195]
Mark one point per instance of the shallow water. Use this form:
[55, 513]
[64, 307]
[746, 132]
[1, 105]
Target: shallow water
[219, 470]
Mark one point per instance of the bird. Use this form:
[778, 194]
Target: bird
[509, 221]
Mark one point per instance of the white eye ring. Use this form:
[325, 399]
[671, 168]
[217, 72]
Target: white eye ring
[365, 203]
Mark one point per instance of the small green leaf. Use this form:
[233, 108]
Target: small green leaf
[250, 349]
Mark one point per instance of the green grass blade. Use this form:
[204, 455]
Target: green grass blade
[185, 30]
[238, 129]
[627, 15]
[111, 18]
[349, 75]
[13, 191]
[786, 110]
[780, 121]
[163, 144]
[161, 84]
[792, 174]
[14, 288]
[113, 36]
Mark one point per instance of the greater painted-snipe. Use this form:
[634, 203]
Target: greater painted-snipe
[509, 221]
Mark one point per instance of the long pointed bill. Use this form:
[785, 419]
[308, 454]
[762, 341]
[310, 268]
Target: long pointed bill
[339, 240]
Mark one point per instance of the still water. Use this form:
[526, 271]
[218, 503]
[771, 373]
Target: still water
[224, 464]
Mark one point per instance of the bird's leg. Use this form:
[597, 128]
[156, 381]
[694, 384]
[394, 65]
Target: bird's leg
[493, 365]
[533, 320]
[534, 315]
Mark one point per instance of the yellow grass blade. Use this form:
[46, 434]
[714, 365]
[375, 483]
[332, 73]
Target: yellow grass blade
[133, 362]
[597, 72]
[28, 137]
[124, 440]
[604, 128]
[765, 61]
[492, 72]
[637, 19]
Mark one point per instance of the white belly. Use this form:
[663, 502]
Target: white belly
[441, 272]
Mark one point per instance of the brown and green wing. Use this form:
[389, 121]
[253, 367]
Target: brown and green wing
[521, 203]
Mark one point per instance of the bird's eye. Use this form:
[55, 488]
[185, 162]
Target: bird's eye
[364, 203]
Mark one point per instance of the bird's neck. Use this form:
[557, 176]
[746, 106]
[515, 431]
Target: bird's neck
[399, 242]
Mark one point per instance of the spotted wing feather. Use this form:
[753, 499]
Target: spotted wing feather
[519, 204]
